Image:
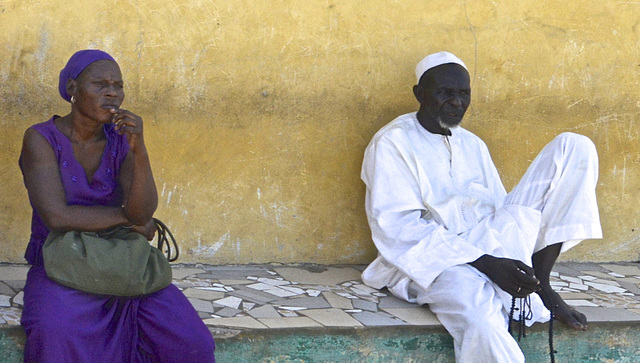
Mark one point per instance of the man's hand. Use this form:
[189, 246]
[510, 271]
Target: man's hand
[512, 276]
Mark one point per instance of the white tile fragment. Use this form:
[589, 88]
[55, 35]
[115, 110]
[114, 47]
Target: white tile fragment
[554, 274]
[260, 286]
[288, 314]
[294, 290]
[230, 301]
[273, 282]
[347, 295]
[292, 308]
[605, 287]
[588, 277]
[19, 299]
[606, 282]
[252, 278]
[5, 301]
[220, 289]
[279, 292]
[558, 283]
[358, 291]
[580, 303]
[615, 274]
[579, 287]
[272, 272]
[353, 311]
[246, 306]
[313, 293]
[571, 279]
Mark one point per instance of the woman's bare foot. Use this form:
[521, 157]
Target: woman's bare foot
[561, 311]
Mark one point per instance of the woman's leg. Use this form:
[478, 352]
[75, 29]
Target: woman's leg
[170, 329]
[66, 325]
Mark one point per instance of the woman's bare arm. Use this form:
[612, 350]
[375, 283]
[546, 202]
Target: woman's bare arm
[46, 193]
[136, 177]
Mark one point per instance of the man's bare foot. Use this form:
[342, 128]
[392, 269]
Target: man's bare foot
[561, 311]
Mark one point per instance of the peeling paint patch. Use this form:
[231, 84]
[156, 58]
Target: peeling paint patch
[207, 251]
[170, 194]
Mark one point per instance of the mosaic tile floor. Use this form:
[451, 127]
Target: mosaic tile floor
[279, 296]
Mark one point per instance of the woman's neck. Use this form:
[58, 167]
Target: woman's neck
[81, 129]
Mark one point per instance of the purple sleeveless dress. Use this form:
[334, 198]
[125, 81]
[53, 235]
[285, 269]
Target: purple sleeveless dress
[67, 325]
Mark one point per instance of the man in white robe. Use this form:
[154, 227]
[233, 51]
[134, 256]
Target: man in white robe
[449, 235]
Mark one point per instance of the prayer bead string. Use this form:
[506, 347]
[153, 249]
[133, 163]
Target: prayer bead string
[552, 351]
[525, 303]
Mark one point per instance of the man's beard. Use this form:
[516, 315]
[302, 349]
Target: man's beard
[447, 126]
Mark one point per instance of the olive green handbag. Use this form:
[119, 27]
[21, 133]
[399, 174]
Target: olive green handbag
[112, 262]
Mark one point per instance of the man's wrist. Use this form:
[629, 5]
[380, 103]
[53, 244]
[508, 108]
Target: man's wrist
[480, 263]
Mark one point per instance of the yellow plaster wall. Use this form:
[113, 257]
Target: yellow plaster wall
[257, 112]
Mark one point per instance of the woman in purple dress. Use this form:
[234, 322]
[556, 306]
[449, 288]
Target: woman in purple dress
[88, 171]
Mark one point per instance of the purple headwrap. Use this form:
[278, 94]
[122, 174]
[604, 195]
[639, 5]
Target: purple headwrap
[76, 64]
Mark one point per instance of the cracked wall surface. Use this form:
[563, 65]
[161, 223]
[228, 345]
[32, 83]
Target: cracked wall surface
[257, 113]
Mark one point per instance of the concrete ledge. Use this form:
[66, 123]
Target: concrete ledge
[604, 342]
[311, 313]
[11, 344]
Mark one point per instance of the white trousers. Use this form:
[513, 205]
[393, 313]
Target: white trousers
[560, 183]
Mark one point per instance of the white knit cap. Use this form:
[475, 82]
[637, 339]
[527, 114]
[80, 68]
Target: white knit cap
[436, 59]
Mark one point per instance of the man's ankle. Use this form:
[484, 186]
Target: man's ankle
[549, 297]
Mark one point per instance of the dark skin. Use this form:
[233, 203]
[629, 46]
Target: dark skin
[543, 262]
[98, 92]
[444, 93]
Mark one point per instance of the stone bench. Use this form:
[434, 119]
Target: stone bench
[309, 313]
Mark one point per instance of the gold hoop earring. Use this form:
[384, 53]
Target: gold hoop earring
[73, 99]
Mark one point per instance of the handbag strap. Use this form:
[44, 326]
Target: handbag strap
[163, 232]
